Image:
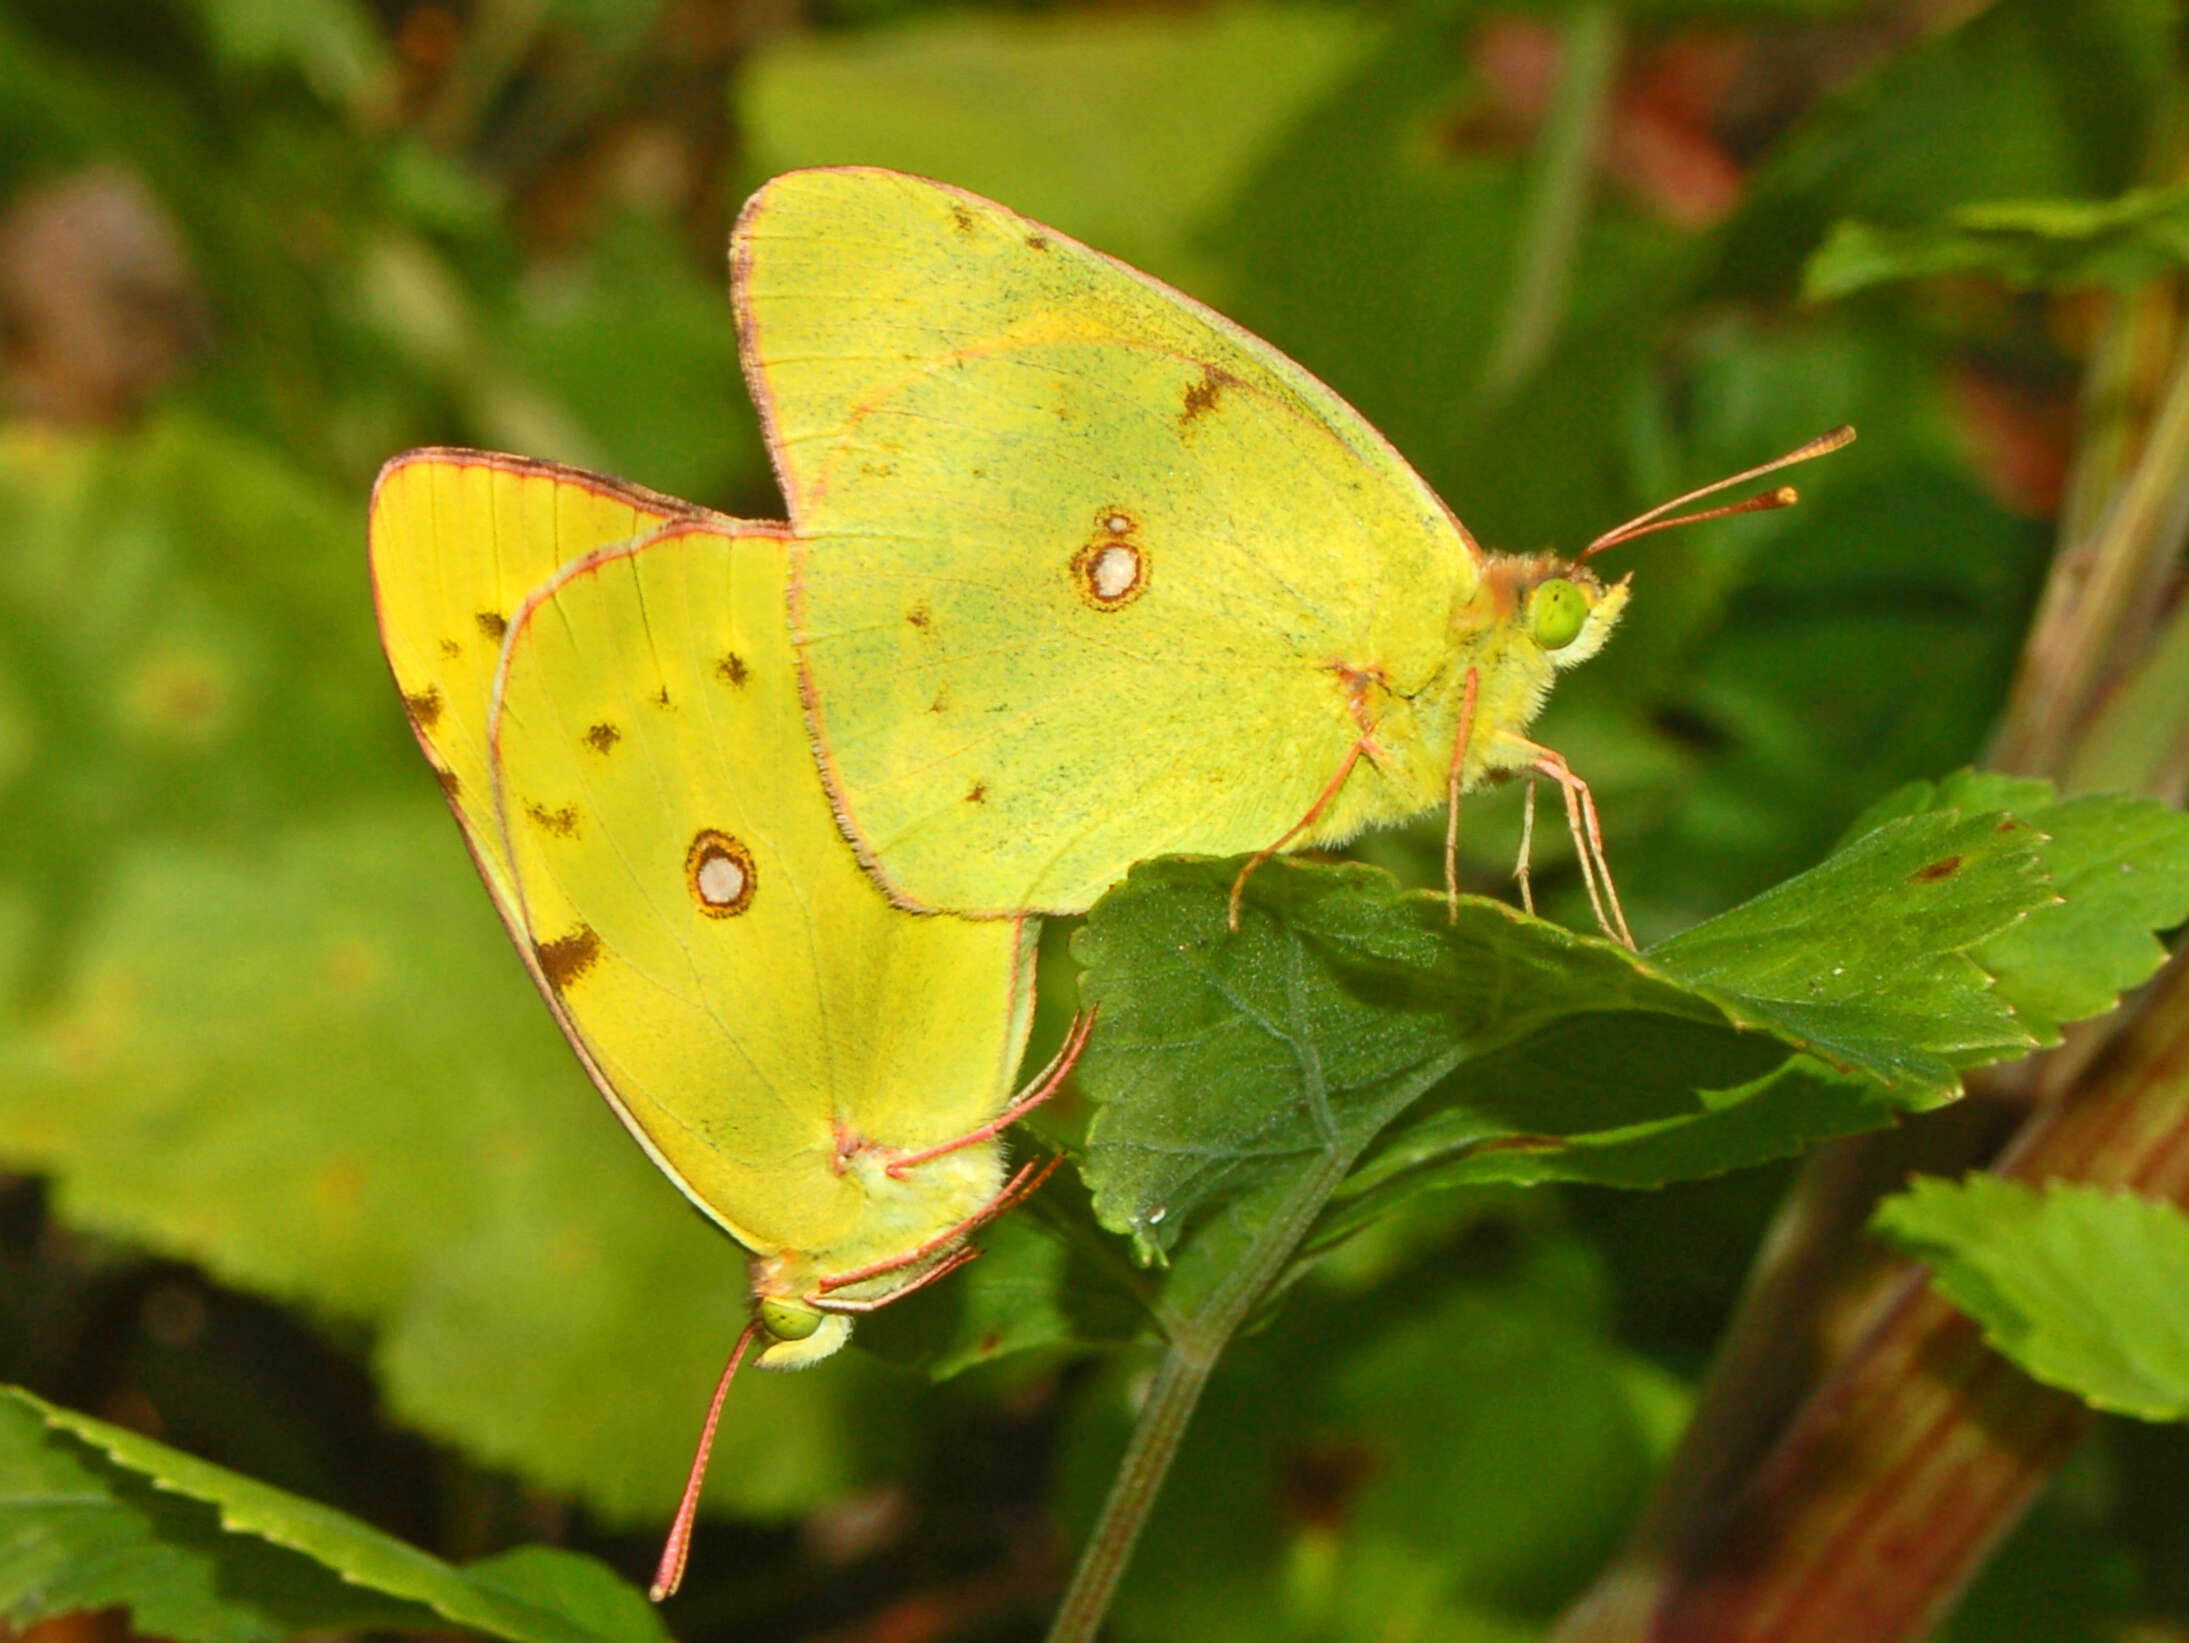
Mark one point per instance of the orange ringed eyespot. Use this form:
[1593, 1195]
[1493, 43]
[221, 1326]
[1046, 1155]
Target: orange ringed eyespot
[719, 872]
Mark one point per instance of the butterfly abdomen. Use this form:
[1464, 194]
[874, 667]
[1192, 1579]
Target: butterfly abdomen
[899, 1213]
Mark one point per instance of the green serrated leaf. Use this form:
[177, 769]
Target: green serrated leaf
[93, 1515]
[1963, 791]
[1231, 1061]
[1348, 1030]
[2119, 866]
[2121, 870]
[2081, 1285]
[1777, 1116]
[1864, 961]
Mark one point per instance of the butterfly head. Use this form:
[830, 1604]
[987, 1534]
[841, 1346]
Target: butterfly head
[1569, 614]
[1563, 611]
[813, 1334]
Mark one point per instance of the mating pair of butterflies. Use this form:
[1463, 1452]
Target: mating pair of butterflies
[1076, 573]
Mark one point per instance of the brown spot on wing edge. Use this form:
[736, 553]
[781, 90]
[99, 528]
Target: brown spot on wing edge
[1201, 397]
[424, 708]
[1944, 867]
[566, 958]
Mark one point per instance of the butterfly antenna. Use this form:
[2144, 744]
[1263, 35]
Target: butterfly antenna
[1783, 496]
[669, 1574]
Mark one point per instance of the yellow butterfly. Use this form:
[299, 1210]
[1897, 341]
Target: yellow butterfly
[602, 679]
[1083, 573]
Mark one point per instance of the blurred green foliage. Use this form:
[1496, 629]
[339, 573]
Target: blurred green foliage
[261, 1020]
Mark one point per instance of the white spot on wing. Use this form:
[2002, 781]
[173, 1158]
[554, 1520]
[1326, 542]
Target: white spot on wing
[721, 880]
[1113, 572]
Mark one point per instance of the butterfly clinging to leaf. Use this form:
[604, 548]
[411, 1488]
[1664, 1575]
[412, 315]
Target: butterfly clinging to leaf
[602, 680]
[1083, 573]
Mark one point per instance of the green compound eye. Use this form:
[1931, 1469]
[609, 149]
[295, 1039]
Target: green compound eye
[1556, 612]
[789, 1320]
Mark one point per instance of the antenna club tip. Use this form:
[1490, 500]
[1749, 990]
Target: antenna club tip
[1785, 497]
[658, 1593]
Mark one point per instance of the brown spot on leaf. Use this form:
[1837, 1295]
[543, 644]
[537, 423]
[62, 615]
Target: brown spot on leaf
[562, 823]
[1523, 1143]
[731, 670]
[941, 703]
[1944, 867]
[493, 624]
[424, 708]
[961, 219]
[990, 1339]
[977, 793]
[1037, 242]
[920, 617]
[566, 958]
[603, 736]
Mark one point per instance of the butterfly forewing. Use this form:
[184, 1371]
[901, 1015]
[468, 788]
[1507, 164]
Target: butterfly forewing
[1082, 569]
[458, 538]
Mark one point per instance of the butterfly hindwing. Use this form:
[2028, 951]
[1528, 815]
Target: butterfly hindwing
[1081, 567]
[748, 999]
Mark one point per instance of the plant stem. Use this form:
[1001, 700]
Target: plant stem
[1196, 1343]
[1147, 1461]
[1588, 63]
[1900, 1474]
[1860, 1512]
[2071, 652]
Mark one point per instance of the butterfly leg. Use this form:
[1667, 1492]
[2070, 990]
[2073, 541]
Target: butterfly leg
[1588, 836]
[1527, 848]
[1322, 802]
[1046, 1084]
[1451, 796]
[941, 1269]
[1014, 1192]
[669, 1572]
